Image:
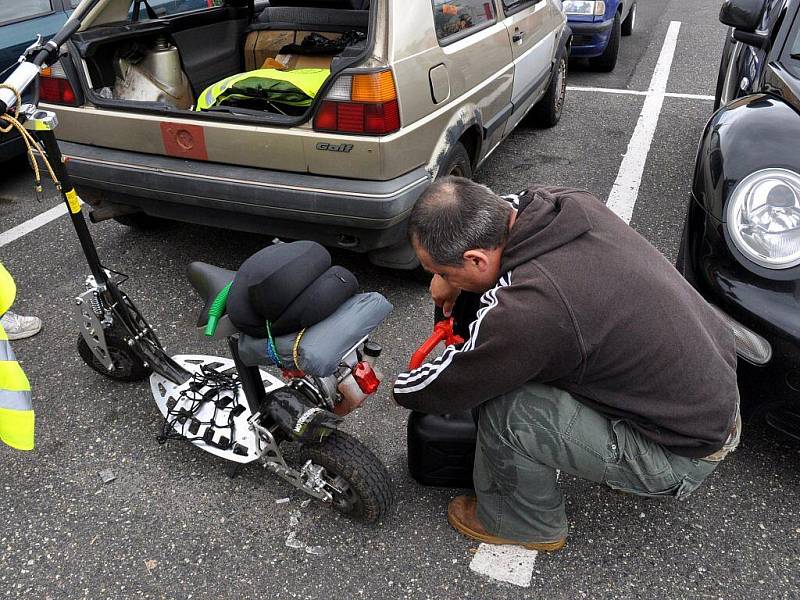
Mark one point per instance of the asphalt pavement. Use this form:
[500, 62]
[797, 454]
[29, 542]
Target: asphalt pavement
[173, 525]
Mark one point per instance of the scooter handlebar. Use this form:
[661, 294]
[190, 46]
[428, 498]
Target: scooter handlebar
[19, 80]
[442, 332]
[25, 73]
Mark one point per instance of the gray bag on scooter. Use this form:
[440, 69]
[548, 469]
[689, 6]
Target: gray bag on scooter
[323, 345]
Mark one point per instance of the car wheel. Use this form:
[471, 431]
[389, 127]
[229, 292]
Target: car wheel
[629, 24]
[139, 220]
[457, 163]
[547, 112]
[608, 59]
[782, 416]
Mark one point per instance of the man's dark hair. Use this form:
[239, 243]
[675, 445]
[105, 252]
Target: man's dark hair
[455, 215]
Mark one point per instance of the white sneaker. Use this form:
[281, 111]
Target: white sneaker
[18, 327]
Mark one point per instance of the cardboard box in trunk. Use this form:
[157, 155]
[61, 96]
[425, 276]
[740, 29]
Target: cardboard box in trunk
[304, 61]
[261, 45]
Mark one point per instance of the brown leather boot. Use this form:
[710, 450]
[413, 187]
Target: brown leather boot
[462, 514]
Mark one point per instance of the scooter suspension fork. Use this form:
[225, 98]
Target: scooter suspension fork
[43, 128]
[114, 304]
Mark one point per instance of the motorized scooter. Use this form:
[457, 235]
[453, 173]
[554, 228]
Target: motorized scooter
[230, 407]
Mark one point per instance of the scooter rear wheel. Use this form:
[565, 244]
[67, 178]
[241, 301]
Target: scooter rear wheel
[127, 366]
[363, 488]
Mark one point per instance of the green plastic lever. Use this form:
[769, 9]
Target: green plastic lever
[217, 310]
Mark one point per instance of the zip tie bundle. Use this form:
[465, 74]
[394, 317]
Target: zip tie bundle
[31, 143]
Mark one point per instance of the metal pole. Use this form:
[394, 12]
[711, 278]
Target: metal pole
[70, 198]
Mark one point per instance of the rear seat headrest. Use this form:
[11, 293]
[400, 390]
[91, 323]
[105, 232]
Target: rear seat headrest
[305, 16]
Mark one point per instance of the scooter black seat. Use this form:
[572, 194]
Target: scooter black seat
[208, 281]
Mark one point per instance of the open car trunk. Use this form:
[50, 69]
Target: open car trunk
[224, 68]
[167, 63]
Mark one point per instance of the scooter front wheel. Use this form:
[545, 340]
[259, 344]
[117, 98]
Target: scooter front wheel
[359, 482]
[127, 366]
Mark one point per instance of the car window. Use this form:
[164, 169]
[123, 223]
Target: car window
[457, 17]
[15, 11]
[512, 6]
[166, 7]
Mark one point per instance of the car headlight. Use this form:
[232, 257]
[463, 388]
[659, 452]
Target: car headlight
[584, 7]
[763, 218]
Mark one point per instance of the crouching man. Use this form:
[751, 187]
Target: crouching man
[589, 354]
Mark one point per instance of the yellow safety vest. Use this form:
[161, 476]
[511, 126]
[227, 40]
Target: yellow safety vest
[301, 85]
[16, 410]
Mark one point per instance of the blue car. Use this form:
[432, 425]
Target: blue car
[21, 22]
[597, 27]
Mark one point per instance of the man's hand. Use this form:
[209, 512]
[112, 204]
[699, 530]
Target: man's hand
[444, 294]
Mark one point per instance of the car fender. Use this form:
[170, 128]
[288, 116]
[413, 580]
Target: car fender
[463, 119]
[613, 7]
[749, 134]
[563, 43]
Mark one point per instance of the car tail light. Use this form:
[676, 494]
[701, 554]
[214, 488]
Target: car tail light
[54, 87]
[365, 103]
[366, 378]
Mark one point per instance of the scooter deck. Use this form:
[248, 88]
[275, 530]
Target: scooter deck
[186, 396]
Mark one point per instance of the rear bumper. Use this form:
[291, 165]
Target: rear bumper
[765, 310]
[590, 39]
[359, 215]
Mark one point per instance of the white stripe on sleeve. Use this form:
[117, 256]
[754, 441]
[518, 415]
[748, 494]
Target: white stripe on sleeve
[421, 377]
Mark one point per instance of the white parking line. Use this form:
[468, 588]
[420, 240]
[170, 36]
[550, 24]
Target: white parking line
[703, 97]
[578, 88]
[600, 90]
[625, 191]
[32, 224]
[510, 564]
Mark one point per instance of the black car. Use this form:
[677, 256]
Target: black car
[741, 240]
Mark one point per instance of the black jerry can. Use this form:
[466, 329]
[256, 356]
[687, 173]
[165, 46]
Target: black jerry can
[441, 449]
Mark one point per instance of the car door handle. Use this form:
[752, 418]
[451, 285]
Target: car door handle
[517, 37]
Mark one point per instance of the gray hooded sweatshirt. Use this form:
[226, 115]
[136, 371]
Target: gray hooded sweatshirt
[589, 306]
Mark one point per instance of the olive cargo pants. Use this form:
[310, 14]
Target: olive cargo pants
[526, 435]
